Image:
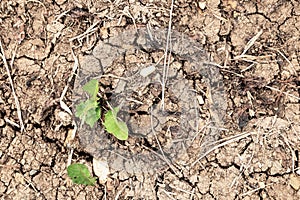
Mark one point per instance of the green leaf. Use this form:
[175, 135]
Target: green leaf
[93, 116]
[114, 126]
[92, 88]
[88, 111]
[80, 174]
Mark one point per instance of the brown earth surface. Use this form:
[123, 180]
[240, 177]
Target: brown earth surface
[255, 45]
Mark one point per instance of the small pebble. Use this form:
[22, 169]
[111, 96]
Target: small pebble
[202, 5]
[147, 71]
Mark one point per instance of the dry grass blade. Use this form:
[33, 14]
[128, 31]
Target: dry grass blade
[181, 190]
[290, 64]
[12, 88]
[11, 122]
[251, 42]
[224, 69]
[293, 128]
[243, 167]
[227, 141]
[67, 109]
[251, 58]
[128, 14]
[287, 142]
[154, 133]
[62, 104]
[89, 31]
[167, 57]
[36, 1]
[277, 90]
[120, 192]
[169, 194]
[259, 188]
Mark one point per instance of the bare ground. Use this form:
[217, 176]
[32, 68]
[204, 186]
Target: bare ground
[256, 46]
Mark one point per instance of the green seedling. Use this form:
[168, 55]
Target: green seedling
[80, 174]
[90, 112]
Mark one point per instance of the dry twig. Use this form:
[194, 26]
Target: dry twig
[251, 42]
[167, 57]
[227, 141]
[67, 109]
[12, 88]
[286, 93]
[88, 32]
[290, 64]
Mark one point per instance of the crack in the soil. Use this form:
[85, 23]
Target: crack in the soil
[6, 186]
[225, 166]
[58, 144]
[186, 180]
[261, 14]
[210, 192]
[283, 23]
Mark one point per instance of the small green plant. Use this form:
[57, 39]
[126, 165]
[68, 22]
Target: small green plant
[114, 126]
[80, 174]
[90, 112]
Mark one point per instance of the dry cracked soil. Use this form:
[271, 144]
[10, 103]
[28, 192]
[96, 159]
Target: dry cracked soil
[246, 146]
